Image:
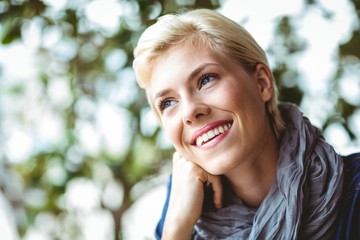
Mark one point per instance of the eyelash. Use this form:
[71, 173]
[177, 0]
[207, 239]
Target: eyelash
[205, 76]
[162, 103]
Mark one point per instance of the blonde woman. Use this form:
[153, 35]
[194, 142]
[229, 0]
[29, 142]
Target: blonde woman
[245, 166]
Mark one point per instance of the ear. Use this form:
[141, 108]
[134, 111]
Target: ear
[265, 81]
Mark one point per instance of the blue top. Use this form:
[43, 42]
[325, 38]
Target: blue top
[349, 222]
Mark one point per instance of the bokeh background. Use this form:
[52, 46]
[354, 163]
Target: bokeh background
[81, 154]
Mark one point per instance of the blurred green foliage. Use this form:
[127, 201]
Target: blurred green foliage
[94, 64]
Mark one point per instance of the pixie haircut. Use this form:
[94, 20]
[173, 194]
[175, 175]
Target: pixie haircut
[205, 28]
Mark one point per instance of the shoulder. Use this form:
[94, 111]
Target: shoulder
[352, 160]
[349, 222]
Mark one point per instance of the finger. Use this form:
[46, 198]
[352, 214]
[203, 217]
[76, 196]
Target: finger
[217, 188]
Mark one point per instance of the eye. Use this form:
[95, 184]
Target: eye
[166, 103]
[207, 78]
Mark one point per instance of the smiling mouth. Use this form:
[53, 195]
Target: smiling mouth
[212, 134]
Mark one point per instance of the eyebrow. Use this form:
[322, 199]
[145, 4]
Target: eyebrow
[161, 93]
[192, 75]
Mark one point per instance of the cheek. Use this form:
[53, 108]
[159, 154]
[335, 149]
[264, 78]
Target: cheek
[173, 128]
[246, 95]
[230, 100]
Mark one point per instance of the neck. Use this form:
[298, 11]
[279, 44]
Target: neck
[257, 175]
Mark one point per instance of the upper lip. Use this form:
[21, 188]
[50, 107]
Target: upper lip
[207, 128]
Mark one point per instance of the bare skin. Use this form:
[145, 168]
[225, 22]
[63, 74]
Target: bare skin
[188, 179]
[194, 93]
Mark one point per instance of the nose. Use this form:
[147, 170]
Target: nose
[194, 110]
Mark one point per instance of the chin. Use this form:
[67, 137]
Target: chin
[215, 171]
[219, 166]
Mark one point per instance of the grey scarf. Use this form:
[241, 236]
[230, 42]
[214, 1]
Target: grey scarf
[302, 202]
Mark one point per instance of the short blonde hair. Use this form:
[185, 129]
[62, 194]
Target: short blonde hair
[222, 35]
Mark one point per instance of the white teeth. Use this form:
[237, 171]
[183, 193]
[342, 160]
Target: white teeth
[205, 137]
[211, 134]
[221, 129]
[199, 141]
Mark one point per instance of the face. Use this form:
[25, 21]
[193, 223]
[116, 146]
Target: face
[211, 108]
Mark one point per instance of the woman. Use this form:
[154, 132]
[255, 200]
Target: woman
[245, 167]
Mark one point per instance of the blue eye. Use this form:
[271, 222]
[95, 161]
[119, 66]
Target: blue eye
[164, 104]
[207, 78]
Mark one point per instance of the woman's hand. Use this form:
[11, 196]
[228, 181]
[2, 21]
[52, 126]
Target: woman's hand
[187, 197]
